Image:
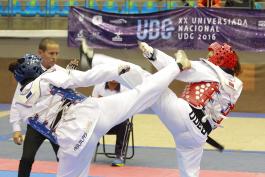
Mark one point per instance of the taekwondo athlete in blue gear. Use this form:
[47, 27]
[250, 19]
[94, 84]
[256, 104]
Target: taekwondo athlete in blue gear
[84, 123]
[48, 51]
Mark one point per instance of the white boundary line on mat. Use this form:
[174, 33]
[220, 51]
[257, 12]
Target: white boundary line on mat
[33, 33]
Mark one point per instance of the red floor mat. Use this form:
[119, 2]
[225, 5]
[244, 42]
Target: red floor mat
[127, 171]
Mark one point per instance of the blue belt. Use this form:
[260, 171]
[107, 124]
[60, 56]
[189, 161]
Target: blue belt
[42, 128]
[68, 94]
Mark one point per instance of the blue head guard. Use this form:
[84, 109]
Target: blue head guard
[28, 68]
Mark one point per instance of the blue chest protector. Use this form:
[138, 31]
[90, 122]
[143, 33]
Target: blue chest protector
[68, 95]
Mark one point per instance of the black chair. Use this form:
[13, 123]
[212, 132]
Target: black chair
[128, 133]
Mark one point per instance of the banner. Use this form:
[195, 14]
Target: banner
[182, 28]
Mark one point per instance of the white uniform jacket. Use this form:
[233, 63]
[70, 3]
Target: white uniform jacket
[72, 130]
[15, 117]
[203, 70]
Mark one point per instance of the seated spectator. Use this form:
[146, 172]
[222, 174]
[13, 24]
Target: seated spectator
[209, 3]
[106, 89]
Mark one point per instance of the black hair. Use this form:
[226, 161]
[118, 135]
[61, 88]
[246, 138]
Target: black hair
[228, 71]
[117, 88]
[12, 66]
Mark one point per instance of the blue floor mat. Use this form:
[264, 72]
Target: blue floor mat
[14, 174]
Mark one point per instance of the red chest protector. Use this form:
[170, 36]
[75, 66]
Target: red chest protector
[199, 93]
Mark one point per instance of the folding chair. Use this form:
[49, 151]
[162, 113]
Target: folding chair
[92, 4]
[32, 8]
[110, 6]
[149, 7]
[127, 135]
[66, 7]
[130, 8]
[16, 8]
[169, 5]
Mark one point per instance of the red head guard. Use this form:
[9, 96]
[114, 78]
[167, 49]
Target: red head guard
[223, 55]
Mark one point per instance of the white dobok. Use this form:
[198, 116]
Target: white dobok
[83, 123]
[175, 112]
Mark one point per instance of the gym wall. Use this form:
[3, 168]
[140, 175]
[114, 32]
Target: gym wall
[253, 65]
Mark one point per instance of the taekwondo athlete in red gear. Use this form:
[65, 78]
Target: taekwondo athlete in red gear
[190, 121]
[211, 93]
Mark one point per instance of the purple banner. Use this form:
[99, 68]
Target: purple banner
[183, 28]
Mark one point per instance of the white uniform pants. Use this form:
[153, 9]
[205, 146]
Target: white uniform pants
[174, 113]
[114, 110]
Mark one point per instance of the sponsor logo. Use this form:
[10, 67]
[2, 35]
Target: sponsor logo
[153, 29]
[81, 17]
[118, 21]
[261, 23]
[197, 122]
[80, 35]
[80, 142]
[97, 20]
[117, 38]
[94, 35]
[231, 84]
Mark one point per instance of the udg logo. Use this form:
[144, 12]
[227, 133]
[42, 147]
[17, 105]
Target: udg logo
[154, 29]
[197, 122]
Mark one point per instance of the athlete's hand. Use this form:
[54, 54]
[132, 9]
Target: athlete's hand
[123, 69]
[17, 137]
[73, 64]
